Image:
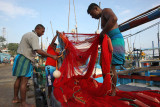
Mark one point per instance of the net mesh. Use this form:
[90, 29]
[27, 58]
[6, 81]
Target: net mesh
[76, 86]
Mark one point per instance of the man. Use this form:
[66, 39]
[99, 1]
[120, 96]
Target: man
[22, 67]
[110, 27]
[51, 65]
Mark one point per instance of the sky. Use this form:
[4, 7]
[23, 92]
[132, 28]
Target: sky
[21, 16]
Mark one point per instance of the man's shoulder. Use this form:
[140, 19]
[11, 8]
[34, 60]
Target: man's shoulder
[30, 34]
[106, 10]
[49, 48]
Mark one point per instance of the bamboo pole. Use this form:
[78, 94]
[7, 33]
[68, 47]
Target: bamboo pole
[139, 15]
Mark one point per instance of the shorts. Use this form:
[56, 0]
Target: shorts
[49, 74]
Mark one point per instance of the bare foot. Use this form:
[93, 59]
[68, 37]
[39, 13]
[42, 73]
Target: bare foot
[16, 100]
[27, 105]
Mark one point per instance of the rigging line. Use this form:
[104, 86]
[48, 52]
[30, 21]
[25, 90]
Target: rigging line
[158, 28]
[142, 30]
[134, 40]
[68, 16]
[139, 41]
[126, 36]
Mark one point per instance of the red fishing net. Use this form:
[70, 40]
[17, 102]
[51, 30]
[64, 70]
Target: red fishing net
[76, 86]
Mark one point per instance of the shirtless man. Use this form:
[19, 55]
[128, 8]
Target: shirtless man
[110, 27]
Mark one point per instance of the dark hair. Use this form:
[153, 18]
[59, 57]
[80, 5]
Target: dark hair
[39, 26]
[91, 6]
[55, 44]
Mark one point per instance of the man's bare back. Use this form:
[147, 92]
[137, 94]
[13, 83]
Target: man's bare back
[106, 13]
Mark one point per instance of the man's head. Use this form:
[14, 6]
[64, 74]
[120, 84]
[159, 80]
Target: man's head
[54, 46]
[94, 10]
[40, 29]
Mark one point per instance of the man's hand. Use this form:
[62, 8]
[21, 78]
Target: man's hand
[55, 57]
[101, 38]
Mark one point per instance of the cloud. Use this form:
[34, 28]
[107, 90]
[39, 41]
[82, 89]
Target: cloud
[125, 12]
[118, 7]
[13, 11]
[3, 17]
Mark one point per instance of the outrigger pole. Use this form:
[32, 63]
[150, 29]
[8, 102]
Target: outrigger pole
[145, 17]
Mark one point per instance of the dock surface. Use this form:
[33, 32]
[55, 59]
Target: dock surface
[6, 88]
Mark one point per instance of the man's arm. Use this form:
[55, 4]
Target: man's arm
[111, 20]
[41, 52]
[53, 40]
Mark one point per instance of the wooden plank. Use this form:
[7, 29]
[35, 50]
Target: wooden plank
[136, 70]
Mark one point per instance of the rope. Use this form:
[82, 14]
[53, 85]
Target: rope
[141, 30]
[59, 57]
[79, 98]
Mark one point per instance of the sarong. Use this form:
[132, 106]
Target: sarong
[118, 56]
[22, 66]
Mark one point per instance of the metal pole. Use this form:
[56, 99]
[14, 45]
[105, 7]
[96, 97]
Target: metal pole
[137, 57]
[133, 51]
[158, 41]
[153, 48]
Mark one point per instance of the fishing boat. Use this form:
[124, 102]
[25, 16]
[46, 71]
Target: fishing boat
[132, 80]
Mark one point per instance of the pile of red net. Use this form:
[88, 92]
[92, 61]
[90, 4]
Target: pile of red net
[76, 86]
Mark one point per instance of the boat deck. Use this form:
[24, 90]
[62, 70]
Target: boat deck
[7, 83]
[137, 87]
